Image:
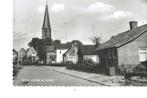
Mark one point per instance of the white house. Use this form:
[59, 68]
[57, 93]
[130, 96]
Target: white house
[80, 53]
[32, 54]
[60, 50]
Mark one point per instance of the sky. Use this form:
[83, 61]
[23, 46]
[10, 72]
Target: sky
[75, 19]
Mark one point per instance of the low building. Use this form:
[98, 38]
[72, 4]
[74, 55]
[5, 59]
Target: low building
[60, 50]
[127, 48]
[87, 52]
[77, 54]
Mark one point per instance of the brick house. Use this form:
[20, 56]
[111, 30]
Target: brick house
[127, 48]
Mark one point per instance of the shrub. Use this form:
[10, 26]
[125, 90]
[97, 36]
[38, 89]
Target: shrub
[88, 62]
[126, 69]
[69, 62]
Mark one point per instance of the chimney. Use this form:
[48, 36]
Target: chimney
[133, 24]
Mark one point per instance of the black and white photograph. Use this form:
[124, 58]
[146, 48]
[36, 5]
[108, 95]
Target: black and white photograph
[80, 43]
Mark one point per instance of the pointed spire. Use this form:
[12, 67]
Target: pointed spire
[46, 22]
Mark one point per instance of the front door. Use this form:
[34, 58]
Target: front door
[112, 71]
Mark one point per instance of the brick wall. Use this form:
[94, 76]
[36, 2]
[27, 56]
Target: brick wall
[129, 53]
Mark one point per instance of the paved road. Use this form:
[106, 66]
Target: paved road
[46, 76]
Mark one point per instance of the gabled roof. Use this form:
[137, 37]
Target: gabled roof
[50, 48]
[87, 49]
[31, 49]
[124, 38]
[22, 50]
[46, 22]
[84, 49]
[63, 46]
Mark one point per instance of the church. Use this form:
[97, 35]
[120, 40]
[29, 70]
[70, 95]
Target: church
[46, 37]
[46, 28]
[53, 53]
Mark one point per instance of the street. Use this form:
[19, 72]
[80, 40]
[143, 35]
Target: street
[46, 76]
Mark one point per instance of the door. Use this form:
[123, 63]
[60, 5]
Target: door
[111, 63]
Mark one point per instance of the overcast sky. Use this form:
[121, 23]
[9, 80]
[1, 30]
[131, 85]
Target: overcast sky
[84, 18]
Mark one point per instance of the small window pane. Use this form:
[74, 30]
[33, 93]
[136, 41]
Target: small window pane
[143, 54]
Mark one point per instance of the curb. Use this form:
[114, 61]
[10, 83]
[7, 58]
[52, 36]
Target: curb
[90, 80]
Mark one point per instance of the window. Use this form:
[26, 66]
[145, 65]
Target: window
[143, 54]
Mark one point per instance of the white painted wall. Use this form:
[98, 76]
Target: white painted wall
[59, 55]
[94, 58]
[74, 56]
[31, 53]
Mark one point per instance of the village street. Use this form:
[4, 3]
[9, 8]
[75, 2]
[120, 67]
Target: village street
[60, 76]
[46, 76]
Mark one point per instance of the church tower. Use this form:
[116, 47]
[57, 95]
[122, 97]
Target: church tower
[46, 28]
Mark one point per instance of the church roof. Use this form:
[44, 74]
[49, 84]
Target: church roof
[46, 22]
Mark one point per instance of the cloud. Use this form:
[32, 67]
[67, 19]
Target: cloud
[118, 14]
[100, 7]
[41, 9]
[57, 7]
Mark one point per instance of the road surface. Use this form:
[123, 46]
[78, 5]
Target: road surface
[46, 76]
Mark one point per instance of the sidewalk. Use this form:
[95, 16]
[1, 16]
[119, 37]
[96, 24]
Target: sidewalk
[93, 77]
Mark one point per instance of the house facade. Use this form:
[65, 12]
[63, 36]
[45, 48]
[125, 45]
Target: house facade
[77, 54]
[32, 54]
[71, 55]
[60, 50]
[128, 48]
[50, 54]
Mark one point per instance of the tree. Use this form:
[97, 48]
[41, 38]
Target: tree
[47, 41]
[76, 42]
[57, 42]
[34, 43]
[40, 46]
[96, 40]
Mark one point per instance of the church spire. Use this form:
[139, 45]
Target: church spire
[46, 28]
[46, 22]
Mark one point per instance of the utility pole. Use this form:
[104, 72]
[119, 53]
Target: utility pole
[65, 23]
[93, 29]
